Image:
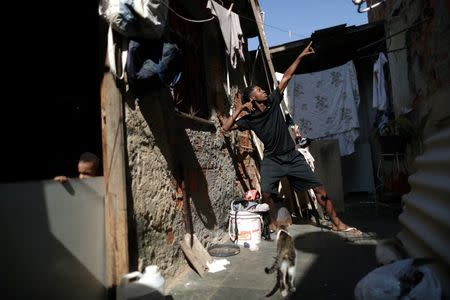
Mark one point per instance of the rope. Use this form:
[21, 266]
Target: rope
[184, 18]
[210, 19]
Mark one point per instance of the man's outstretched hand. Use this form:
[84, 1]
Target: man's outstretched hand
[308, 50]
[248, 106]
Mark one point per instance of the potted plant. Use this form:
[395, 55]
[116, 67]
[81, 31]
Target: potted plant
[396, 134]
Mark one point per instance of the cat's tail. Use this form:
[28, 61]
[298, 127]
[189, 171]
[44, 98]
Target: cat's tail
[273, 267]
[276, 287]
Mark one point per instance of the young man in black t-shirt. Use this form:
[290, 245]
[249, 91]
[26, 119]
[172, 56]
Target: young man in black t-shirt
[281, 159]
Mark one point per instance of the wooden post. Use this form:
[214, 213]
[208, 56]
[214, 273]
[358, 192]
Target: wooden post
[262, 38]
[265, 46]
[116, 227]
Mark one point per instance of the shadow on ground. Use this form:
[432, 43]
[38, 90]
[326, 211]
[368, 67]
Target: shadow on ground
[329, 264]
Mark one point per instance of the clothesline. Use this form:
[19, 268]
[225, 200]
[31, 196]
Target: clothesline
[377, 53]
[392, 35]
[265, 24]
[184, 18]
[210, 19]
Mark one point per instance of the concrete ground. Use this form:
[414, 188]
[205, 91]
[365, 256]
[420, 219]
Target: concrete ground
[329, 264]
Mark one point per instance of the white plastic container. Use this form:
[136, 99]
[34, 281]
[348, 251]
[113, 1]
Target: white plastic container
[135, 284]
[248, 227]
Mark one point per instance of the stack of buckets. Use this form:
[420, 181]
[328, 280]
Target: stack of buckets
[248, 224]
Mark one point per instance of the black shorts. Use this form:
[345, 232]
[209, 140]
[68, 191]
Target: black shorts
[292, 165]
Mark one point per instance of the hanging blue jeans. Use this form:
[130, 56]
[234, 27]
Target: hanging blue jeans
[152, 63]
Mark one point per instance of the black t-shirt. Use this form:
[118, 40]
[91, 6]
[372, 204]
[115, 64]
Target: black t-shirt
[270, 126]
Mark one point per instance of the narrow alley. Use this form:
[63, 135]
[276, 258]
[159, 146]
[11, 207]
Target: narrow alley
[329, 264]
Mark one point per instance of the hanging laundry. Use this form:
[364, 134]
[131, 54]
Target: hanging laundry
[143, 19]
[231, 31]
[379, 96]
[325, 105]
[152, 63]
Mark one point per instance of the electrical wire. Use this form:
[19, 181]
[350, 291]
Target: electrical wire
[274, 27]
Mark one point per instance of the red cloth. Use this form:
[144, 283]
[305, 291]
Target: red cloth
[251, 195]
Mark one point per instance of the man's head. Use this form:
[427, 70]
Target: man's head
[88, 165]
[253, 93]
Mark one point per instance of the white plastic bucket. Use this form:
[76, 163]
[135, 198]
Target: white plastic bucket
[248, 227]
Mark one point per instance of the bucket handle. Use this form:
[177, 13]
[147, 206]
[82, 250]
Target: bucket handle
[231, 205]
[229, 231]
[236, 231]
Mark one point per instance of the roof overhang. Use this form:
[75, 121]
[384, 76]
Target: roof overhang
[334, 46]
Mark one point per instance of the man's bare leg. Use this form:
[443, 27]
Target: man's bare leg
[267, 198]
[327, 204]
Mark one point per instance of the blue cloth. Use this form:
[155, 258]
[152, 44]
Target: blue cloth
[244, 205]
[151, 63]
[169, 70]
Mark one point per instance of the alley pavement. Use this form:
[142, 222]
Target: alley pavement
[329, 264]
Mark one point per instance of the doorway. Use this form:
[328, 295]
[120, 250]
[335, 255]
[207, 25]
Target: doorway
[54, 114]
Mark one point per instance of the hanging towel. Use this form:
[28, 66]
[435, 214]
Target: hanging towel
[379, 90]
[231, 31]
[325, 105]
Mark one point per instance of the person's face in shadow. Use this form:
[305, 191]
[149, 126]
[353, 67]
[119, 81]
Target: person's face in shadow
[86, 169]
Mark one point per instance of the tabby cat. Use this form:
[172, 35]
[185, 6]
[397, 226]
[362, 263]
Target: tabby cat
[284, 263]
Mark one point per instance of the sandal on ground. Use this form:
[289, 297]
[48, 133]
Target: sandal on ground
[351, 230]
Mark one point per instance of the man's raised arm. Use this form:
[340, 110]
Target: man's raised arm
[290, 71]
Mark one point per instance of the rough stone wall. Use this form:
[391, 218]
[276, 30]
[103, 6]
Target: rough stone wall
[429, 60]
[213, 184]
[157, 145]
[426, 67]
[427, 43]
[154, 218]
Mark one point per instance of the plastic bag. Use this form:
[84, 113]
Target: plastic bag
[399, 280]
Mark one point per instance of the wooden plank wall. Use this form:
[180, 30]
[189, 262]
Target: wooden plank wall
[116, 227]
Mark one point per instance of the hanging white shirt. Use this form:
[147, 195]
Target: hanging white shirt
[231, 31]
[379, 96]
